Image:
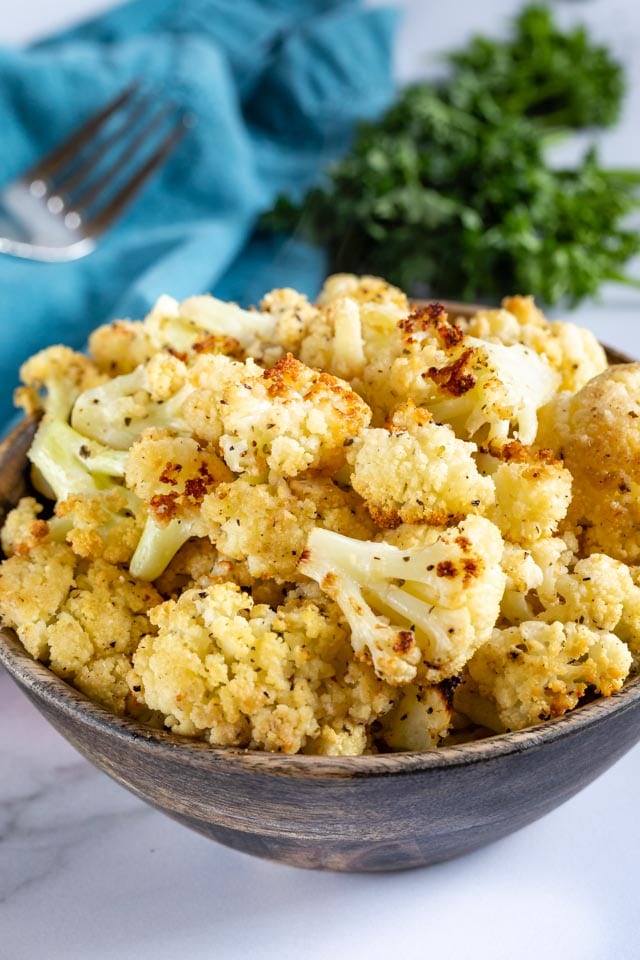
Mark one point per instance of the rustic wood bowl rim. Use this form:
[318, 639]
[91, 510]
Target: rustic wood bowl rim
[44, 685]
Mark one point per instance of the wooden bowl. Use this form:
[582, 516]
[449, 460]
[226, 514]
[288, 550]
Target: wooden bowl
[386, 812]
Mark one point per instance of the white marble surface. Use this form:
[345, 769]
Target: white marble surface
[87, 872]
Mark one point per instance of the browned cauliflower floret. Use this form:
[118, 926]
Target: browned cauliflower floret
[536, 671]
[172, 474]
[417, 471]
[490, 390]
[53, 379]
[247, 675]
[106, 525]
[267, 525]
[532, 492]
[399, 348]
[599, 441]
[572, 351]
[85, 620]
[23, 529]
[485, 390]
[418, 612]
[289, 420]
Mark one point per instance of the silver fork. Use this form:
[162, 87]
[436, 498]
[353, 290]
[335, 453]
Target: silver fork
[58, 209]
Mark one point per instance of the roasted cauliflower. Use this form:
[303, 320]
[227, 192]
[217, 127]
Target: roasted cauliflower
[339, 527]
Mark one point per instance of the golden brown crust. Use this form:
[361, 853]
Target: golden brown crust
[457, 377]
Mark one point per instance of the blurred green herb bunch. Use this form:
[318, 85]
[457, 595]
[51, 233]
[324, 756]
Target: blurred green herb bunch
[452, 191]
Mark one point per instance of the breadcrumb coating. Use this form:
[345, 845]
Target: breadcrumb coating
[243, 674]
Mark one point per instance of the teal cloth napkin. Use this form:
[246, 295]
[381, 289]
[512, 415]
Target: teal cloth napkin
[275, 88]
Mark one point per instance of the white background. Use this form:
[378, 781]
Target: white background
[89, 873]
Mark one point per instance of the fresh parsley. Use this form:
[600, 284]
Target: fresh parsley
[451, 192]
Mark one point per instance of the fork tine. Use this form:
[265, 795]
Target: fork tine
[73, 178]
[116, 205]
[82, 135]
[92, 191]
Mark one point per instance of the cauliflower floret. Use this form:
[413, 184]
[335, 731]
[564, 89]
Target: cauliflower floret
[290, 420]
[117, 412]
[23, 529]
[532, 493]
[107, 525]
[172, 474]
[294, 316]
[84, 620]
[364, 289]
[246, 675]
[267, 525]
[415, 612]
[399, 349]
[573, 351]
[578, 356]
[210, 377]
[420, 718]
[262, 524]
[593, 593]
[33, 589]
[94, 512]
[601, 449]
[277, 422]
[483, 389]
[334, 342]
[417, 471]
[490, 388]
[536, 671]
[546, 582]
[599, 592]
[53, 379]
[119, 347]
[199, 324]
